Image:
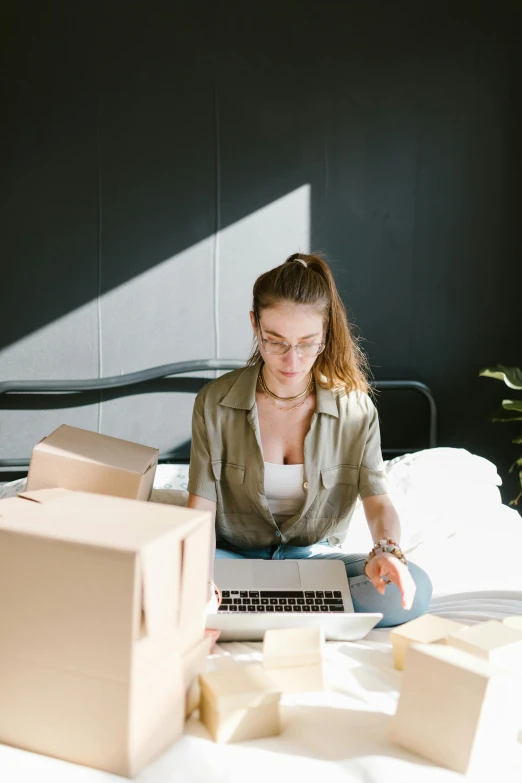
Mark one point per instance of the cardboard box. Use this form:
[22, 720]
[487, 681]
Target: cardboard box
[457, 710]
[105, 595]
[427, 629]
[293, 658]
[89, 462]
[194, 663]
[495, 642]
[239, 703]
[515, 621]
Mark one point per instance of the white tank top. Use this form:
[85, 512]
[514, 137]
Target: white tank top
[284, 488]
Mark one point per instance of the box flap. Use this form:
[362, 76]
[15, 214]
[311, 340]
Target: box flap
[101, 449]
[284, 647]
[486, 636]
[473, 665]
[155, 626]
[426, 629]
[101, 520]
[44, 495]
[237, 687]
[193, 588]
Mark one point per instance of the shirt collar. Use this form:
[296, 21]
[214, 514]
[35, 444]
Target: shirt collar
[242, 395]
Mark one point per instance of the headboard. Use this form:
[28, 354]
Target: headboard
[56, 394]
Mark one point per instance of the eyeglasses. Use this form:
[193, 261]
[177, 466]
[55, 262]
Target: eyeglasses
[278, 348]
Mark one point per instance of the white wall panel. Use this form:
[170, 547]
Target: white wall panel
[248, 248]
[66, 348]
[164, 315]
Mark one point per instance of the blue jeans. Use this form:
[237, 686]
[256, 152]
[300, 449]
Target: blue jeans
[364, 596]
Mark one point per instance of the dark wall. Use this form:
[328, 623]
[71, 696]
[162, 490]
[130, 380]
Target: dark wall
[136, 130]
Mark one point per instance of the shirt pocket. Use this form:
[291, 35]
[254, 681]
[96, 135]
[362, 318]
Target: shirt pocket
[230, 489]
[337, 492]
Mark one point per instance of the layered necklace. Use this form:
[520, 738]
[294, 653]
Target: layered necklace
[274, 397]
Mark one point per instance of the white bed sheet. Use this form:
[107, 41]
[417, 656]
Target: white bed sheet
[339, 734]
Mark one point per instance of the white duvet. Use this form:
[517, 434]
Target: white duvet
[455, 527]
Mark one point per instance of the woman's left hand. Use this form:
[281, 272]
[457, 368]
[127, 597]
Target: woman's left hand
[389, 568]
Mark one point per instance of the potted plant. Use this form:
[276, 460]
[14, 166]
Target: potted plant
[511, 410]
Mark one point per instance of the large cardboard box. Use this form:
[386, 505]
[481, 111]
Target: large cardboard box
[89, 462]
[100, 598]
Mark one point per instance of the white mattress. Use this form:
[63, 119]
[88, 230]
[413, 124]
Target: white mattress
[472, 552]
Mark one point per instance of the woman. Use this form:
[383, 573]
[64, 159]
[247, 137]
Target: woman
[282, 448]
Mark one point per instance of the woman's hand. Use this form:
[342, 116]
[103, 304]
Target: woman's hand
[385, 568]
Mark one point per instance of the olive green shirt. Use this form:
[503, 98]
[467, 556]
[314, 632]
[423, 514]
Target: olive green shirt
[342, 459]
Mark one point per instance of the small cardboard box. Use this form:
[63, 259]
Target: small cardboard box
[239, 703]
[515, 621]
[89, 462]
[105, 595]
[498, 643]
[293, 658]
[194, 663]
[427, 629]
[457, 710]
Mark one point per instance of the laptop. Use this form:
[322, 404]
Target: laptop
[263, 594]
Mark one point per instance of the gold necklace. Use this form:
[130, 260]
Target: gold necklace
[285, 399]
[292, 407]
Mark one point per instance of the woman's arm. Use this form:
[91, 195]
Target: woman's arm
[382, 518]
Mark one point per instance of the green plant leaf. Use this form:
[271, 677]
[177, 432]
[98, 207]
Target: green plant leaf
[501, 414]
[514, 502]
[514, 465]
[512, 376]
[512, 405]
[517, 439]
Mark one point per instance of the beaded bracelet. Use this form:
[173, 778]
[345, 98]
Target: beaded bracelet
[386, 546]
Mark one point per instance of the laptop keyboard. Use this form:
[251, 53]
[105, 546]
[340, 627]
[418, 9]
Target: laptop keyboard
[281, 601]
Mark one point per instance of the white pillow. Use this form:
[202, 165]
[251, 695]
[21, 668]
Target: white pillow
[11, 488]
[171, 477]
[438, 493]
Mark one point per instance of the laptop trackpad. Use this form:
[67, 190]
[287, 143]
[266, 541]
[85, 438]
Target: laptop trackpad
[276, 575]
[232, 574]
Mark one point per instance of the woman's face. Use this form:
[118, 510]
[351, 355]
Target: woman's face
[290, 323]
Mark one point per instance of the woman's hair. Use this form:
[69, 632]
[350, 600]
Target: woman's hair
[342, 365]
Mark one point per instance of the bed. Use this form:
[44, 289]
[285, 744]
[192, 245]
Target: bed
[456, 527]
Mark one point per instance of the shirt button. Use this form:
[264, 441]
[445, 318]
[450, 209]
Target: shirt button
[278, 534]
[305, 485]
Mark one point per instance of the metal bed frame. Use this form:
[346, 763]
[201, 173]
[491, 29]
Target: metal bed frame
[39, 395]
